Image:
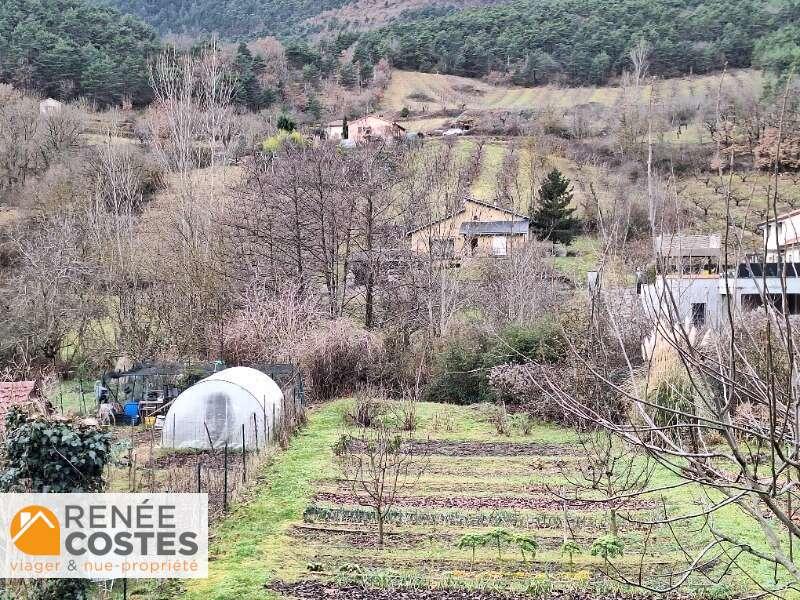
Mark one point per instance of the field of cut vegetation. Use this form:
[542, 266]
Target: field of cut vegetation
[303, 534]
[436, 92]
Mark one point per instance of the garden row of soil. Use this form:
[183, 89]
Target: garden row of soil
[316, 590]
[210, 460]
[461, 448]
[484, 502]
[366, 538]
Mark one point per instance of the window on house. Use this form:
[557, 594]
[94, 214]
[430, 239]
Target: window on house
[698, 314]
[499, 246]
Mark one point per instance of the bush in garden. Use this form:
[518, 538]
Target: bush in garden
[53, 455]
[368, 406]
[499, 538]
[462, 371]
[527, 544]
[570, 548]
[607, 547]
[339, 358]
[458, 376]
[472, 541]
[542, 342]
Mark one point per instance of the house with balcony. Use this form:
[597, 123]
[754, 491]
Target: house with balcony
[692, 285]
[782, 235]
[685, 285]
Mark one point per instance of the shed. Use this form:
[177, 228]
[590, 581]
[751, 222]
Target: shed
[216, 410]
[50, 106]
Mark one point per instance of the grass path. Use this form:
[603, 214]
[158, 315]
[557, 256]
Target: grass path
[250, 546]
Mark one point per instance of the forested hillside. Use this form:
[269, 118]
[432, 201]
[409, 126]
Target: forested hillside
[70, 48]
[581, 41]
[230, 18]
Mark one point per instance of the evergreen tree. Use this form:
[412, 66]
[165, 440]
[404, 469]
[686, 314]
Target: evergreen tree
[286, 124]
[552, 219]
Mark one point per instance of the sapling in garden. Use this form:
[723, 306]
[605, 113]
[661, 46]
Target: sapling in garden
[607, 547]
[570, 548]
[472, 541]
[378, 464]
[499, 537]
[527, 544]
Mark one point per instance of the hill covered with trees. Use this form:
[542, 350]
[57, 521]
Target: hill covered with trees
[580, 41]
[70, 48]
[230, 18]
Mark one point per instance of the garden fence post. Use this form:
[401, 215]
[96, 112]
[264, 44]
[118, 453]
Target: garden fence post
[255, 429]
[124, 589]
[264, 410]
[244, 456]
[199, 481]
[225, 478]
[83, 398]
[61, 395]
[274, 424]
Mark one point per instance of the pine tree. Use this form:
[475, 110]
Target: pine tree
[552, 219]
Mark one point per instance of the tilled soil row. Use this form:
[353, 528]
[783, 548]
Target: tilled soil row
[456, 448]
[484, 502]
[396, 540]
[315, 589]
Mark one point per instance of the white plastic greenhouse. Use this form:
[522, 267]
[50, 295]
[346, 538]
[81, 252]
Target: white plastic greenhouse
[218, 409]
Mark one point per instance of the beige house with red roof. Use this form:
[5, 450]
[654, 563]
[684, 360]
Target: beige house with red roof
[366, 129]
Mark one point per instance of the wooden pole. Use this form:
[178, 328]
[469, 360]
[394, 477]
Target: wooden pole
[83, 398]
[225, 479]
[244, 456]
[255, 429]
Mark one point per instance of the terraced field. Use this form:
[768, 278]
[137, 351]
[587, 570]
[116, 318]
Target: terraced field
[302, 534]
[432, 92]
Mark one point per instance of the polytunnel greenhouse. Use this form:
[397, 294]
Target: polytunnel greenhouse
[225, 408]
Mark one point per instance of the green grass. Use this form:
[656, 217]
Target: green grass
[251, 546]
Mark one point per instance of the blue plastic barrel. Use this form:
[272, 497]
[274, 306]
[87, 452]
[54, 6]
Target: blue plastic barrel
[131, 410]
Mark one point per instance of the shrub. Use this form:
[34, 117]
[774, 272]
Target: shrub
[459, 377]
[366, 409]
[527, 544]
[340, 358]
[53, 455]
[541, 343]
[570, 548]
[607, 547]
[462, 372]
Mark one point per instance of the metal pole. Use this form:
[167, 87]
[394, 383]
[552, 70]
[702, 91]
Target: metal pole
[61, 395]
[244, 456]
[255, 429]
[199, 481]
[124, 589]
[225, 479]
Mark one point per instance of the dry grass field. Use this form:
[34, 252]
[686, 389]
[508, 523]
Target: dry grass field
[431, 92]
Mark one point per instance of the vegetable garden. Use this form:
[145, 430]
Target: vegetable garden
[481, 517]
